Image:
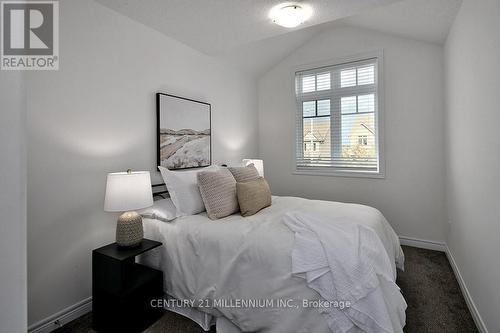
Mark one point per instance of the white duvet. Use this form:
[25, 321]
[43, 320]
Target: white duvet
[229, 266]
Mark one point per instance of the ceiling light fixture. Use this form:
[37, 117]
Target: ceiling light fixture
[290, 15]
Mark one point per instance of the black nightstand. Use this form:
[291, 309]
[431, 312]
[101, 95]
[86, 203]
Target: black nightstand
[122, 290]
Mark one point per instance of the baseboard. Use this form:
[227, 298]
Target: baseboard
[422, 243]
[62, 317]
[83, 307]
[441, 246]
[468, 298]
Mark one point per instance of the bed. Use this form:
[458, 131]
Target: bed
[224, 271]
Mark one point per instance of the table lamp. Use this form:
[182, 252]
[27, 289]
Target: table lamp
[259, 165]
[126, 192]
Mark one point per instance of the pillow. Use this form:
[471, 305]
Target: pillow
[253, 196]
[218, 190]
[162, 210]
[243, 174]
[183, 189]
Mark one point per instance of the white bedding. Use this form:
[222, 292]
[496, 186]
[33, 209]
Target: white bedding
[238, 258]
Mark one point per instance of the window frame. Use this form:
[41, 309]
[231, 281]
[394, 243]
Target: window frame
[379, 116]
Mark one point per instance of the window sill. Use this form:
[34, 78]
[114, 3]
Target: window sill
[337, 173]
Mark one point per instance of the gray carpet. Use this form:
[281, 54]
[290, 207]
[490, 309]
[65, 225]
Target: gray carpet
[435, 303]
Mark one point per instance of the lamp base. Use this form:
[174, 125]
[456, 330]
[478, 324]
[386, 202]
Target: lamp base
[129, 232]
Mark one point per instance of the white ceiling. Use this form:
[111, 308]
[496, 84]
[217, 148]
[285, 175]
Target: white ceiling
[257, 57]
[426, 20]
[216, 26]
[240, 32]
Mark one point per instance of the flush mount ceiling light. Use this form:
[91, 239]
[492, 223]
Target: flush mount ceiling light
[290, 15]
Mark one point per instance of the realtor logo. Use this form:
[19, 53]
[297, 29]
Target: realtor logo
[30, 35]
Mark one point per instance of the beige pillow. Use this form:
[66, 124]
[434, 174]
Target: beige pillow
[218, 191]
[244, 174]
[253, 196]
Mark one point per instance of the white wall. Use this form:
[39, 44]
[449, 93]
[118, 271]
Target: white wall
[472, 57]
[412, 194]
[97, 115]
[13, 303]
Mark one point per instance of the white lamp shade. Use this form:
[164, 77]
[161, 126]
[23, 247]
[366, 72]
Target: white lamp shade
[259, 165]
[128, 191]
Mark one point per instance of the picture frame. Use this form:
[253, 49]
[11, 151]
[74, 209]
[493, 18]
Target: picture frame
[184, 129]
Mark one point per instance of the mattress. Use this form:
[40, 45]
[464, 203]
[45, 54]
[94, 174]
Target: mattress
[226, 267]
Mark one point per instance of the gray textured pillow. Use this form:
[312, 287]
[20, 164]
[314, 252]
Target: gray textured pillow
[218, 191]
[244, 174]
[253, 196]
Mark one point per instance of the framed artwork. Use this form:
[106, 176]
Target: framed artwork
[183, 132]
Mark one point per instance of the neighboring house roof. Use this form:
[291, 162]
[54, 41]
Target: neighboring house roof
[372, 131]
[316, 135]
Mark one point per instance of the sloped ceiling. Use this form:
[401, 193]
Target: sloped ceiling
[240, 32]
[217, 26]
[426, 20]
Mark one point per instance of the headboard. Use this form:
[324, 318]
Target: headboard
[160, 190]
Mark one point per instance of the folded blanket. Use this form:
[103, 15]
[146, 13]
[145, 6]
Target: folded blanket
[346, 262]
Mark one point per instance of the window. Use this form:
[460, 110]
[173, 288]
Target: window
[317, 82]
[337, 121]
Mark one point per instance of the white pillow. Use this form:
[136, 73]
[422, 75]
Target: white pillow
[162, 210]
[183, 189]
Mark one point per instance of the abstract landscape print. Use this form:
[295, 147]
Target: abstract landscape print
[183, 132]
